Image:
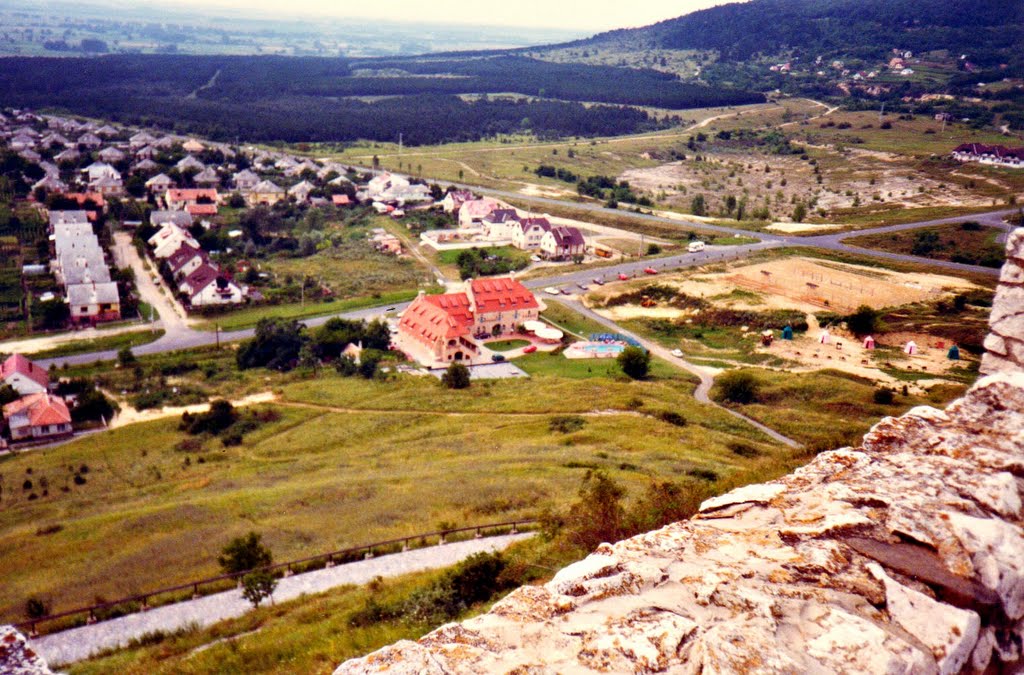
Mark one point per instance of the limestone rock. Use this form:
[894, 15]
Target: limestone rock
[17, 657]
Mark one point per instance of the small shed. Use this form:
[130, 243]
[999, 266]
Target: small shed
[954, 353]
[787, 333]
[869, 342]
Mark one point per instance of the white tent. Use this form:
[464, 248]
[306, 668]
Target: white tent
[869, 342]
[910, 348]
[825, 337]
[534, 326]
[549, 334]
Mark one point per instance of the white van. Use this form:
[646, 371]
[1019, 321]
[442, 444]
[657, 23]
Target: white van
[696, 246]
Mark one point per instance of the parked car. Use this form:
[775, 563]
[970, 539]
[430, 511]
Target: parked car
[551, 290]
[583, 287]
[391, 309]
[529, 349]
[598, 281]
[650, 270]
[535, 258]
[497, 358]
[678, 353]
[623, 276]
[482, 336]
[696, 246]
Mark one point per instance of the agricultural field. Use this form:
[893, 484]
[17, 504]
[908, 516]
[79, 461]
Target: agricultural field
[968, 242]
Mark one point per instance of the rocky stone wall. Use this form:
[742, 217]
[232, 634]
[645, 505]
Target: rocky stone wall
[17, 657]
[903, 555]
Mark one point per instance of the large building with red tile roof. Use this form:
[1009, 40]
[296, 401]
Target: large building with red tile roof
[439, 329]
[37, 416]
[24, 376]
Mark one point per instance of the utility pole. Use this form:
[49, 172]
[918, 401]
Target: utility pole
[881, 113]
[216, 331]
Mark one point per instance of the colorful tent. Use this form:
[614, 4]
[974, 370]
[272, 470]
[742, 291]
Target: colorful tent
[869, 342]
[954, 353]
[787, 333]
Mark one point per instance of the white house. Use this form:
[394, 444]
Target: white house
[530, 233]
[24, 376]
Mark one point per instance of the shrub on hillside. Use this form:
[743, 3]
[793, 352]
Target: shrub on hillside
[456, 377]
[635, 362]
[738, 386]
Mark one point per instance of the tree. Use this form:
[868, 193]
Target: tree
[53, 313]
[244, 554]
[346, 366]
[276, 345]
[635, 362]
[456, 377]
[864, 321]
[92, 406]
[738, 386]
[697, 206]
[799, 213]
[125, 357]
[8, 394]
[219, 417]
[598, 516]
[258, 586]
[36, 608]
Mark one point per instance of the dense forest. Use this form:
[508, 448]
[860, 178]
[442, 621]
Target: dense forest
[991, 31]
[307, 99]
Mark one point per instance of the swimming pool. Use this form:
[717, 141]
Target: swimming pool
[593, 350]
[598, 348]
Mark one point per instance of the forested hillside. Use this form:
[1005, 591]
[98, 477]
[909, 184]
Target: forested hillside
[989, 30]
[305, 99]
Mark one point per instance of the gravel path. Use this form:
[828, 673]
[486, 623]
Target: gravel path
[79, 643]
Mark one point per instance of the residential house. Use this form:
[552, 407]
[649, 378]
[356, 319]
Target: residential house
[201, 210]
[209, 286]
[265, 192]
[146, 166]
[994, 155]
[93, 203]
[159, 184]
[38, 417]
[245, 180]
[70, 155]
[147, 152]
[189, 163]
[50, 184]
[107, 131]
[141, 140]
[454, 200]
[300, 191]
[98, 170]
[111, 155]
[24, 376]
[89, 141]
[192, 146]
[474, 211]
[207, 178]
[169, 239]
[530, 233]
[388, 188]
[94, 302]
[186, 260]
[180, 218]
[560, 243]
[52, 139]
[107, 185]
[501, 224]
[163, 143]
[440, 329]
[341, 200]
[179, 199]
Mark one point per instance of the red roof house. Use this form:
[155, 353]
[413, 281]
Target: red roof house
[24, 376]
[37, 416]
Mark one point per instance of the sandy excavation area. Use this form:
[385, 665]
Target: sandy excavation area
[129, 415]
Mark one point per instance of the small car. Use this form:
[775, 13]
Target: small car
[551, 290]
[497, 358]
[598, 281]
[391, 309]
[696, 246]
[678, 353]
[529, 349]
[583, 287]
[623, 276]
[650, 270]
[535, 258]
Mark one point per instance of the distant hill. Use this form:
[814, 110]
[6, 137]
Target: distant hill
[991, 31]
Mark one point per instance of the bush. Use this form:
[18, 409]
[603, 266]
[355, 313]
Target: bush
[566, 424]
[864, 321]
[883, 396]
[93, 406]
[219, 417]
[36, 608]
[258, 586]
[738, 386]
[276, 345]
[635, 362]
[244, 554]
[598, 516]
[456, 377]
[671, 417]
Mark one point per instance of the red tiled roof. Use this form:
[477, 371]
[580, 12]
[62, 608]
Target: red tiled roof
[16, 363]
[437, 317]
[42, 409]
[341, 200]
[501, 295]
[201, 209]
[998, 151]
[191, 195]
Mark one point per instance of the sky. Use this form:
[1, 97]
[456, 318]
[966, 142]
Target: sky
[587, 16]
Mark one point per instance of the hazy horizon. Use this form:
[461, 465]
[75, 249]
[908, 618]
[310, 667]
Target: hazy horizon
[566, 16]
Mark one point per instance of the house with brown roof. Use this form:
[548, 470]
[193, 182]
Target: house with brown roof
[265, 192]
[178, 199]
[159, 184]
[38, 417]
[530, 233]
[560, 243]
[501, 224]
[439, 329]
[186, 260]
[23, 375]
[209, 286]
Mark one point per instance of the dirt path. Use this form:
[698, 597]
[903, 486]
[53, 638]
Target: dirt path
[78, 644]
[172, 316]
[129, 415]
[44, 343]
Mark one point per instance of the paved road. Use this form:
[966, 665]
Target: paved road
[79, 643]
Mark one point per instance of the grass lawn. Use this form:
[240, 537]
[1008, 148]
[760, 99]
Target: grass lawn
[827, 409]
[568, 320]
[110, 342]
[248, 317]
[507, 345]
[945, 242]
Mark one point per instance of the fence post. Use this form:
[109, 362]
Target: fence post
[478, 535]
[405, 545]
[145, 604]
[514, 529]
[369, 554]
[330, 562]
[195, 591]
[287, 571]
[32, 632]
[92, 618]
